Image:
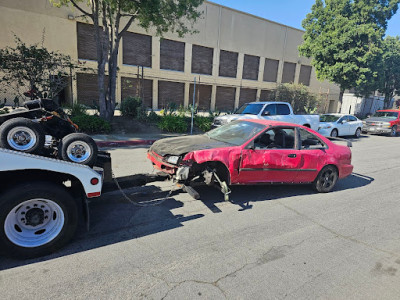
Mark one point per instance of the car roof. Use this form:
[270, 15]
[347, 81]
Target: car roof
[265, 102]
[269, 122]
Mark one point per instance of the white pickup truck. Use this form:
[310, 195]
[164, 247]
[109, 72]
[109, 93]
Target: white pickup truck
[40, 201]
[276, 111]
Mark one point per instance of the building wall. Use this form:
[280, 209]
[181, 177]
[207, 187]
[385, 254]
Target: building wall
[251, 39]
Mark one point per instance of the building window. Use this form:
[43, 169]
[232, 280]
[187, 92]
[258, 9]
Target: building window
[136, 49]
[228, 63]
[134, 87]
[170, 92]
[250, 67]
[202, 97]
[202, 60]
[271, 70]
[225, 98]
[172, 55]
[88, 89]
[305, 75]
[267, 95]
[247, 95]
[289, 70]
[87, 48]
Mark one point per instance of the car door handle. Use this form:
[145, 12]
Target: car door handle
[292, 155]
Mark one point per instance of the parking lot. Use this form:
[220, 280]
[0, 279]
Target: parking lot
[270, 242]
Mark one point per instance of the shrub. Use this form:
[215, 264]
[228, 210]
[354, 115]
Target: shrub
[173, 123]
[203, 123]
[76, 109]
[91, 124]
[130, 106]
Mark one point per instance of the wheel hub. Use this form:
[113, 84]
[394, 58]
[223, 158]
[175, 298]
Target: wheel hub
[34, 217]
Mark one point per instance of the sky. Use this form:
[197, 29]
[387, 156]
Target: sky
[290, 12]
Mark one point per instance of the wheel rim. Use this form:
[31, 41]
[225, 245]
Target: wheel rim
[358, 133]
[21, 138]
[34, 223]
[393, 131]
[328, 178]
[79, 151]
[334, 133]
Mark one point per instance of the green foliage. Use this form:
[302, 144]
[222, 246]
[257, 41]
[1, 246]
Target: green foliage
[76, 109]
[203, 123]
[34, 68]
[344, 39]
[173, 123]
[91, 124]
[4, 110]
[298, 95]
[130, 106]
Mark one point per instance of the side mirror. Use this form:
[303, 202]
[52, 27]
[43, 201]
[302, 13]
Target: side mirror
[250, 146]
[266, 113]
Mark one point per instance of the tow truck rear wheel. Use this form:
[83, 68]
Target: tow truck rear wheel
[79, 148]
[36, 219]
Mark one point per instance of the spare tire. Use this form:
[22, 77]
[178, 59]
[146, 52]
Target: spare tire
[78, 148]
[23, 135]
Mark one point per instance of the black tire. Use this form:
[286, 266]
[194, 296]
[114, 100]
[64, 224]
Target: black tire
[326, 179]
[85, 149]
[393, 132]
[32, 134]
[12, 204]
[357, 134]
[334, 133]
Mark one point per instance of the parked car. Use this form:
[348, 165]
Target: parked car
[339, 125]
[252, 152]
[385, 121]
[274, 111]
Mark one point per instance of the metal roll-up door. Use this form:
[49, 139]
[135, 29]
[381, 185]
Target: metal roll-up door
[267, 95]
[225, 98]
[87, 88]
[202, 60]
[289, 70]
[250, 67]
[136, 49]
[172, 55]
[170, 92]
[247, 95]
[203, 96]
[305, 74]
[86, 41]
[228, 62]
[134, 87]
[271, 70]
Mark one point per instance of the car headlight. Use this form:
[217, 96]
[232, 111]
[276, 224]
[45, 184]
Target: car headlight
[173, 159]
[386, 124]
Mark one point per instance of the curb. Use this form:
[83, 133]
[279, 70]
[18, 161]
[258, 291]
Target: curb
[104, 144]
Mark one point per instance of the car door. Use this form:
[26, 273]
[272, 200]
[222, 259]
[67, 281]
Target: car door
[313, 155]
[269, 112]
[343, 126]
[271, 157]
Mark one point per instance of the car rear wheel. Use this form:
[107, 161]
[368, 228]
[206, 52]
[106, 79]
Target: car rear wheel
[326, 179]
[334, 133]
[357, 134]
[36, 218]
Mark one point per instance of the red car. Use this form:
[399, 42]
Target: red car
[385, 121]
[253, 152]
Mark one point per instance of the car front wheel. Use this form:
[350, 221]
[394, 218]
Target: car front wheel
[334, 133]
[326, 179]
[393, 132]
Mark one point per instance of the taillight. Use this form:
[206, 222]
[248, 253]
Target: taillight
[94, 181]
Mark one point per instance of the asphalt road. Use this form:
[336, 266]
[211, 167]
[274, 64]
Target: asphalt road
[272, 242]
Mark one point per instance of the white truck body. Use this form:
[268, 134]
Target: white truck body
[274, 111]
[14, 161]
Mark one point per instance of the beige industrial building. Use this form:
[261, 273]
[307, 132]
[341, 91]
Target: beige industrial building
[235, 57]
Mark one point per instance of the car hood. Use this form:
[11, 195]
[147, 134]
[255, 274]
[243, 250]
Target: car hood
[185, 144]
[378, 119]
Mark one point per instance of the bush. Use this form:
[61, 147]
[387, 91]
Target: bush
[91, 124]
[173, 123]
[203, 123]
[130, 106]
[76, 109]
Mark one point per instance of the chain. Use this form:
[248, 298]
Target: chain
[154, 202]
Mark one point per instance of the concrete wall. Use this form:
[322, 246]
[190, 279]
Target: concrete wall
[219, 28]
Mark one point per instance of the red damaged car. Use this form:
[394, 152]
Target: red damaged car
[253, 152]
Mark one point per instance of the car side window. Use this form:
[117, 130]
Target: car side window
[352, 119]
[344, 118]
[310, 140]
[283, 109]
[276, 138]
[271, 108]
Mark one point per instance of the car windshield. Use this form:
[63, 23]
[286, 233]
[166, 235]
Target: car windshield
[328, 118]
[250, 109]
[236, 132]
[386, 114]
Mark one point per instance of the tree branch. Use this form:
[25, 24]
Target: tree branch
[80, 9]
[126, 26]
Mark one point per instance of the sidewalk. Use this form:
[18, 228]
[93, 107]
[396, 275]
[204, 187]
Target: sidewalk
[130, 139]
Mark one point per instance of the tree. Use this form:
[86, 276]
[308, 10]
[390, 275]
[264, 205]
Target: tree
[390, 79]
[298, 95]
[111, 18]
[344, 40]
[34, 71]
